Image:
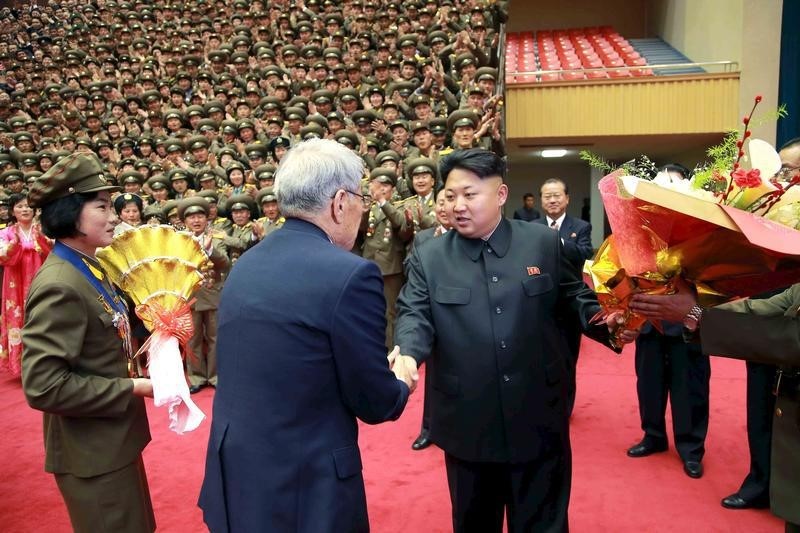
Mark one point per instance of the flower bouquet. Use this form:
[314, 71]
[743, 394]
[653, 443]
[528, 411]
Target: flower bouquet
[723, 230]
[160, 269]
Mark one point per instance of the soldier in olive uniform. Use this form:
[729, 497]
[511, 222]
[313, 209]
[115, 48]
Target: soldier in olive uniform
[159, 190]
[77, 358]
[385, 234]
[243, 233]
[217, 221]
[272, 218]
[420, 209]
[202, 366]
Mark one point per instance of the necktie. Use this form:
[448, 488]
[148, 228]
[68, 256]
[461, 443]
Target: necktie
[554, 225]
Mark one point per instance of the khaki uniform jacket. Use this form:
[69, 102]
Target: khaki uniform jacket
[207, 296]
[222, 224]
[423, 213]
[74, 369]
[268, 226]
[385, 235]
[766, 331]
[239, 240]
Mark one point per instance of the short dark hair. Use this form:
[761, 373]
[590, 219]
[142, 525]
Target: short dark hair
[483, 163]
[552, 181]
[528, 195]
[59, 218]
[678, 169]
[13, 200]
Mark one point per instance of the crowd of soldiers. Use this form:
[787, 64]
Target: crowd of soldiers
[190, 105]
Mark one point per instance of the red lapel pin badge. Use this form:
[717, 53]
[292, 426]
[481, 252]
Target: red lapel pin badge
[534, 271]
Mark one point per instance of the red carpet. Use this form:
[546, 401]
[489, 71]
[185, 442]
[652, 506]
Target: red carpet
[407, 491]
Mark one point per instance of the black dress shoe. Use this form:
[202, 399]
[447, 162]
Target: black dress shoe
[643, 449]
[422, 442]
[734, 501]
[195, 388]
[693, 469]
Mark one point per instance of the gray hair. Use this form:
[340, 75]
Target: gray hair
[311, 172]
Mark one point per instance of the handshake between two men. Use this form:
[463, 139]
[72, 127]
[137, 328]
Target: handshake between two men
[405, 366]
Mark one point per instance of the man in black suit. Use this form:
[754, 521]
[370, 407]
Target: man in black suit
[527, 212]
[576, 236]
[666, 366]
[481, 302]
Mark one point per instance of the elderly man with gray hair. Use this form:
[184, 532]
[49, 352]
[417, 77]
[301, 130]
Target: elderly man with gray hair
[301, 356]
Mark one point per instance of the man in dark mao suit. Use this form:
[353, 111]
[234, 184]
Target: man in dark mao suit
[576, 236]
[301, 356]
[481, 302]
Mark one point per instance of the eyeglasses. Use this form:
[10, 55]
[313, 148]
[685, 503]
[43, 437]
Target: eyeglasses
[786, 172]
[366, 201]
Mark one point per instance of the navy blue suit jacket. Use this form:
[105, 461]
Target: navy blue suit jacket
[577, 237]
[301, 355]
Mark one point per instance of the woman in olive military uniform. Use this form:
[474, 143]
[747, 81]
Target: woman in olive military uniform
[76, 360]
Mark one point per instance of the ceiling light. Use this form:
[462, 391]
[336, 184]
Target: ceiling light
[555, 152]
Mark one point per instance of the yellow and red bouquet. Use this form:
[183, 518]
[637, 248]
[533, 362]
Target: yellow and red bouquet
[160, 269]
[724, 229]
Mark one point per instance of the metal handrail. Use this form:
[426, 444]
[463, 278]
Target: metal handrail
[729, 66]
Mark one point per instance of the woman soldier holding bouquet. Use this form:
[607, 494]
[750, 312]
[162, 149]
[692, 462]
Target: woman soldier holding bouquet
[76, 362]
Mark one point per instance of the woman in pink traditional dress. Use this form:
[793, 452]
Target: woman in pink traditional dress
[23, 249]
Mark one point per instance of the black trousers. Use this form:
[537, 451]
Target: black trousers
[666, 366]
[760, 408]
[426, 400]
[534, 495]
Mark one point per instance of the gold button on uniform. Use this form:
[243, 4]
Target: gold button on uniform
[778, 412]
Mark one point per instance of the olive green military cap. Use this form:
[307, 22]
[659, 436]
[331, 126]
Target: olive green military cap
[387, 155]
[421, 165]
[11, 175]
[170, 208]
[211, 196]
[131, 176]
[240, 201]
[158, 182]
[191, 206]
[267, 194]
[347, 138]
[384, 175]
[462, 117]
[76, 173]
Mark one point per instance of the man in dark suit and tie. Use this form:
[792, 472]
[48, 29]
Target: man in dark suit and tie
[576, 236]
[481, 302]
[301, 356]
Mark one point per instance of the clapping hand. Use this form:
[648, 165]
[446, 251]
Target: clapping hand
[404, 367]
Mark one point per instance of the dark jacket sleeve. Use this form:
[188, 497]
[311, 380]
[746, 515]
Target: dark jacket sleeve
[414, 331]
[369, 388]
[579, 249]
[576, 297]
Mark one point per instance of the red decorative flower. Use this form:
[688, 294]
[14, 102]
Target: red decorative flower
[745, 179]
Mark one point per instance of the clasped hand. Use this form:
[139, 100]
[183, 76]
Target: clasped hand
[620, 336]
[404, 368]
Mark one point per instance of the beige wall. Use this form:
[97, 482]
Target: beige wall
[627, 16]
[745, 31]
[703, 30]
